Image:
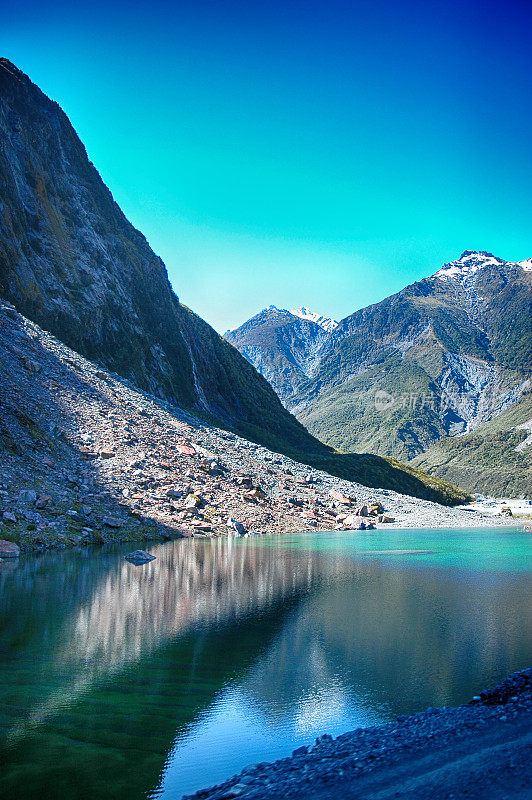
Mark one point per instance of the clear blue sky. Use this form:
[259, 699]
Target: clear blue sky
[323, 154]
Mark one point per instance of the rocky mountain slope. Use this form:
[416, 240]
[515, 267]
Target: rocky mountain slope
[438, 359]
[72, 262]
[86, 458]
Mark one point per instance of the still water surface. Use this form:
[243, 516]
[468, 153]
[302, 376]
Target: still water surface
[131, 682]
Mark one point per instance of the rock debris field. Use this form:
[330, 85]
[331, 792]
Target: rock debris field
[86, 458]
[481, 750]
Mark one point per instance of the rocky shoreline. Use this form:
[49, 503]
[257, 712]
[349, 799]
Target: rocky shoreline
[85, 458]
[478, 750]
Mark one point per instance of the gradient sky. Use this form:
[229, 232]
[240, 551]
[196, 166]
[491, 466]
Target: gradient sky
[323, 154]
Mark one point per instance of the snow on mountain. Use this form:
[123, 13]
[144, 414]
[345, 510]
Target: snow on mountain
[469, 262]
[326, 323]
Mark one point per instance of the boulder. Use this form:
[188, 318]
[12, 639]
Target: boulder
[340, 498]
[9, 517]
[9, 549]
[257, 493]
[193, 501]
[139, 557]
[236, 526]
[294, 501]
[111, 522]
[42, 500]
[27, 497]
[186, 450]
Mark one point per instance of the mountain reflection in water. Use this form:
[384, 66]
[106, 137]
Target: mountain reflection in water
[122, 681]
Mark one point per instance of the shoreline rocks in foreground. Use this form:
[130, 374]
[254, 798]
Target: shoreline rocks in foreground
[480, 750]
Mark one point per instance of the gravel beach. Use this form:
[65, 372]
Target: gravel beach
[479, 750]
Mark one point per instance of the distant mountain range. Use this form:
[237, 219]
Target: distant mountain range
[71, 262]
[424, 367]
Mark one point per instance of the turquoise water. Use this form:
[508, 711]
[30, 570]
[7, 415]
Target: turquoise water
[131, 682]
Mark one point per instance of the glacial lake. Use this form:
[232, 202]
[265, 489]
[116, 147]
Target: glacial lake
[131, 682]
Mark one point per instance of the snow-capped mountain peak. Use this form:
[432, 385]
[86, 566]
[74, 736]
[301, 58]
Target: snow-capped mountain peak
[526, 264]
[326, 323]
[469, 262]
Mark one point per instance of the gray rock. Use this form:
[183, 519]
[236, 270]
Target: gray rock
[9, 549]
[139, 557]
[236, 526]
[27, 497]
[111, 522]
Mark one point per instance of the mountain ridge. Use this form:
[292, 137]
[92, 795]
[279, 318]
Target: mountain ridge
[450, 352]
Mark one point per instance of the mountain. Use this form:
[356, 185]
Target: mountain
[282, 345]
[71, 262]
[437, 359]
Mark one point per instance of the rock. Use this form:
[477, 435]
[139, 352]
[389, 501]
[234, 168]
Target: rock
[107, 453]
[9, 549]
[27, 497]
[351, 521]
[193, 501]
[385, 518]
[43, 500]
[257, 493]
[186, 450]
[139, 557]
[174, 494]
[9, 517]
[340, 498]
[111, 522]
[236, 526]
[293, 501]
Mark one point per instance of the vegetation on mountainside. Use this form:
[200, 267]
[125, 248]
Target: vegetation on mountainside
[486, 460]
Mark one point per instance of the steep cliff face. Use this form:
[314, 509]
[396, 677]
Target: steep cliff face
[71, 261]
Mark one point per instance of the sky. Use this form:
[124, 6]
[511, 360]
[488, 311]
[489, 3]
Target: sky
[297, 153]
